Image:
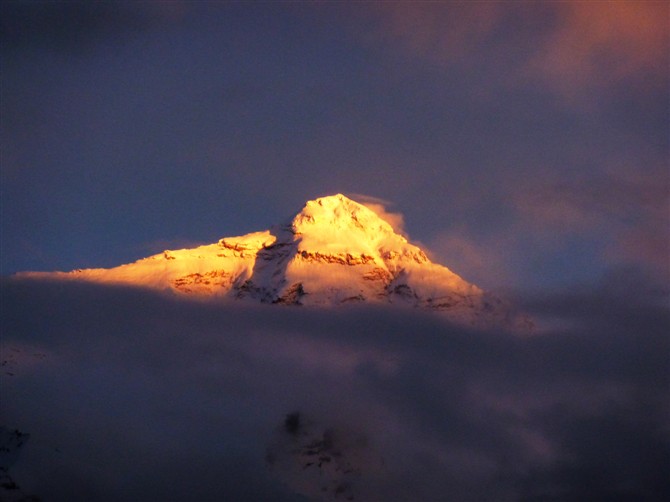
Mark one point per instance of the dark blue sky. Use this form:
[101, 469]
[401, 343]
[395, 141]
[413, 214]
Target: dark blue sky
[526, 145]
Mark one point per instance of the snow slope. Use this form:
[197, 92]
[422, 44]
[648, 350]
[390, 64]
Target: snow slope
[333, 251]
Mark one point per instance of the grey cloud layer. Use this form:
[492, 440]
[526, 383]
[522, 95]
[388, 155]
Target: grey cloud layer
[127, 394]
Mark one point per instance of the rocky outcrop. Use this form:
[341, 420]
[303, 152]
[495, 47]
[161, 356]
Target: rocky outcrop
[205, 282]
[337, 258]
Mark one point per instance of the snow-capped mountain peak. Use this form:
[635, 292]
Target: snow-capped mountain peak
[336, 221]
[337, 225]
[333, 251]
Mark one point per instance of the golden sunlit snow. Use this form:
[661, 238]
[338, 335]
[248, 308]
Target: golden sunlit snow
[334, 251]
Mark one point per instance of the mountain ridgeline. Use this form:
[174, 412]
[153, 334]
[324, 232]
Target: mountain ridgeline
[334, 251]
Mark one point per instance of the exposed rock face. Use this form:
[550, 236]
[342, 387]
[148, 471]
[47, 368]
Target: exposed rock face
[339, 258]
[333, 251]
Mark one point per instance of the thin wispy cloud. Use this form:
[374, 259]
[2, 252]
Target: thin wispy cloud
[380, 208]
[578, 46]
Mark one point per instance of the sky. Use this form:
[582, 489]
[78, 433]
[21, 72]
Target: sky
[522, 144]
[525, 145]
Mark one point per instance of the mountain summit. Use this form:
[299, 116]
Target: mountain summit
[333, 251]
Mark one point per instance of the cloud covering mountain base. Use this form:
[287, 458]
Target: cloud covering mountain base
[132, 395]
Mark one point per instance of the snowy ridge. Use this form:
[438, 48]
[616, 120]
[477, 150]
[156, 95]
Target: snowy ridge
[333, 251]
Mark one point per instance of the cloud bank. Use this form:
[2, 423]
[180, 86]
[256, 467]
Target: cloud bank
[128, 395]
[579, 46]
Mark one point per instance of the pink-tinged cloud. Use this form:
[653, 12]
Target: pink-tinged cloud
[593, 43]
[622, 213]
[645, 245]
[586, 202]
[568, 47]
[441, 31]
[475, 260]
[628, 211]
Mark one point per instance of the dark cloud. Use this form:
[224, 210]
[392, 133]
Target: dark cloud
[129, 394]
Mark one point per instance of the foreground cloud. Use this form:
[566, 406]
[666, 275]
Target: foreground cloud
[129, 395]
